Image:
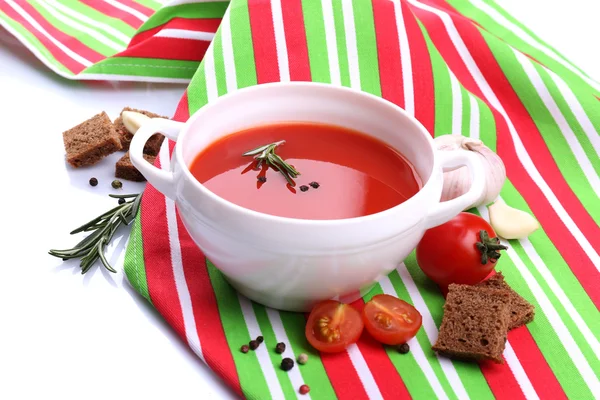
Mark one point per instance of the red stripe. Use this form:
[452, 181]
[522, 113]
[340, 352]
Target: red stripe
[535, 365]
[569, 248]
[166, 48]
[157, 258]
[501, 381]
[56, 52]
[343, 376]
[384, 372]
[388, 52]
[198, 25]
[114, 12]
[68, 41]
[182, 113]
[421, 69]
[138, 7]
[295, 38]
[209, 327]
[263, 40]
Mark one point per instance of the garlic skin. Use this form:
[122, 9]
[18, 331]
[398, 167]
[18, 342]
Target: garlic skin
[511, 223]
[133, 120]
[458, 181]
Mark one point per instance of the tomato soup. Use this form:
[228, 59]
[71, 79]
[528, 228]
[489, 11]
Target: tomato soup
[343, 173]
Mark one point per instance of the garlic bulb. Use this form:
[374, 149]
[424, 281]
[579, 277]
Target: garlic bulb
[458, 181]
[511, 223]
[133, 120]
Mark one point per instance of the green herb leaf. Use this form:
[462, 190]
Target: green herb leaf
[266, 154]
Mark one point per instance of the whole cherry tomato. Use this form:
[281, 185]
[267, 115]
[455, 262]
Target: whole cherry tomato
[463, 250]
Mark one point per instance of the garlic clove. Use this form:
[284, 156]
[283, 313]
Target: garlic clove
[511, 223]
[133, 120]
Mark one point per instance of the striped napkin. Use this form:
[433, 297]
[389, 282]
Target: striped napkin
[462, 67]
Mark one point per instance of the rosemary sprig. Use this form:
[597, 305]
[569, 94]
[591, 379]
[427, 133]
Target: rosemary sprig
[266, 154]
[93, 246]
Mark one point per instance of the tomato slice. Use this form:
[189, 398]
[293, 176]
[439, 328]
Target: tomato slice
[391, 320]
[332, 326]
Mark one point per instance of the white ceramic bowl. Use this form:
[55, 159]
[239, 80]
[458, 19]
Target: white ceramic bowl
[290, 263]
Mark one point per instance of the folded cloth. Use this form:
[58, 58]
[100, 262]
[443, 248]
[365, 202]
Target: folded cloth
[462, 67]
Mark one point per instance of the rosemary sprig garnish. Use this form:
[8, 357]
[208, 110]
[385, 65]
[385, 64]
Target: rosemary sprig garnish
[92, 248]
[266, 154]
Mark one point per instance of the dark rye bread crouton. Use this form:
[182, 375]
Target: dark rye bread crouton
[475, 323]
[152, 145]
[521, 311]
[91, 141]
[126, 170]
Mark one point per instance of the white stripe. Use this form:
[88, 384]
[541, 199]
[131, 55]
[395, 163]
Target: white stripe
[351, 46]
[500, 19]
[280, 43]
[89, 21]
[363, 371]
[474, 123]
[415, 348]
[457, 106]
[517, 369]
[330, 38]
[561, 121]
[281, 336]
[405, 60]
[431, 331]
[262, 352]
[81, 60]
[183, 293]
[212, 91]
[82, 28]
[571, 348]
[228, 60]
[186, 34]
[580, 114]
[561, 296]
[522, 154]
[127, 9]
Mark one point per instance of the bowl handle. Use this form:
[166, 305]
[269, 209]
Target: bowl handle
[450, 160]
[162, 180]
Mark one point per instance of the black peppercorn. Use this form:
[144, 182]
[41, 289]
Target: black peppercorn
[253, 345]
[403, 348]
[287, 364]
[121, 200]
[262, 179]
[314, 185]
[260, 339]
[93, 181]
[116, 184]
[304, 188]
[280, 348]
[244, 349]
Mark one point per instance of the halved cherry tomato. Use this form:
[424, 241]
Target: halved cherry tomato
[332, 326]
[391, 320]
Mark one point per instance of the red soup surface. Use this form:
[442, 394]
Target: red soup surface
[356, 174]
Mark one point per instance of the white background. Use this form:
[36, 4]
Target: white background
[70, 336]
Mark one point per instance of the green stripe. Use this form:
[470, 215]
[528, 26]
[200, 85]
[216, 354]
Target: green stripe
[313, 372]
[470, 374]
[155, 5]
[490, 25]
[315, 40]
[550, 131]
[115, 23]
[268, 333]
[151, 67]
[340, 37]
[366, 43]
[243, 50]
[413, 377]
[191, 11]
[134, 266]
[32, 41]
[83, 37]
[196, 91]
[252, 379]
[466, 111]
[217, 51]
